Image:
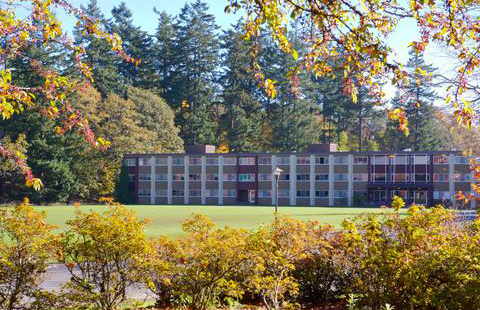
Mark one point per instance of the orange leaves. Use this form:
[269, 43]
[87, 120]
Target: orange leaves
[400, 116]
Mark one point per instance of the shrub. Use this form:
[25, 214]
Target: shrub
[26, 246]
[274, 251]
[100, 251]
[359, 200]
[200, 268]
[422, 261]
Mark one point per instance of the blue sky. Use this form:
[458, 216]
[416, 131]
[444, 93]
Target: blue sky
[144, 17]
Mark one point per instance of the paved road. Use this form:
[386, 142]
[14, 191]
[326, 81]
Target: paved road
[57, 275]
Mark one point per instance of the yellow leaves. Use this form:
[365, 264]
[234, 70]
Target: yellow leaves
[185, 104]
[400, 116]
[103, 143]
[270, 89]
[398, 203]
[35, 183]
[295, 54]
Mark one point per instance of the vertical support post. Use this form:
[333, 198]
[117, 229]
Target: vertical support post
[350, 180]
[451, 175]
[293, 180]
[169, 180]
[153, 185]
[312, 180]
[186, 180]
[331, 180]
[274, 187]
[220, 180]
[204, 180]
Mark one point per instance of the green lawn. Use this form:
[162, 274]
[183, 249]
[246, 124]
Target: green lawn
[166, 220]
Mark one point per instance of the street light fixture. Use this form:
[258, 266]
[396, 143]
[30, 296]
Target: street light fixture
[276, 173]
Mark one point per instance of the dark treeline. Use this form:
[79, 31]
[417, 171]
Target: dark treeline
[195, 85]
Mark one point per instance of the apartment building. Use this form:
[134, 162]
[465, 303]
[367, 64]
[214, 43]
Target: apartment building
[319, 177]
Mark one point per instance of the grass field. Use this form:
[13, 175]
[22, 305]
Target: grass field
[166, 220]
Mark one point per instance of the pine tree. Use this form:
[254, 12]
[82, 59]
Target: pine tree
[242, 116]
[417, 99]
[194, 93]
[99, 55]
[138, 44]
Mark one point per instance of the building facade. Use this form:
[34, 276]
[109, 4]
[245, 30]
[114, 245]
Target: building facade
[319, 177]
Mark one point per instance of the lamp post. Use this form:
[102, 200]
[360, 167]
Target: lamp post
[276, 172]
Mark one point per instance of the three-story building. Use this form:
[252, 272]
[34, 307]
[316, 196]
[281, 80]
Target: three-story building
[319, 177]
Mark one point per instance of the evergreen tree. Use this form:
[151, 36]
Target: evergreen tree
[194, 93]
[122, 191]
[165, 54]
[99, 55]
[242, 115]
[417, 99]
[137, 44]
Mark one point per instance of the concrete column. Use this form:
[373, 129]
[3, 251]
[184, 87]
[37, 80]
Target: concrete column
[204, 180]
[220, 180]
[312, 180]
[169, 180]
[350, 180]
[293, 180]
[153, 173]
[331, 179]
[186, 180]
[451, 174]
[274, 189]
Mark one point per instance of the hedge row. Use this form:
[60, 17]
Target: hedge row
[424, 260]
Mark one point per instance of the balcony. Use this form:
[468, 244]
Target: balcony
[399, 185]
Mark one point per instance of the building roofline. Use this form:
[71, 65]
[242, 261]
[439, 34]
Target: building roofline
[298, 153]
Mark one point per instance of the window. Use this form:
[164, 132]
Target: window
[195, 161]
[264, 160]
[340, 194]
[161, 193]
[303, 160]
[178, 193]
[304, 194]
[177, 161]
[421, 177]
[212, 176]
[421, 159]
[195, 193]
[130, 162]
[144, 178]
[246, 177]
[144, 161]
[229, 161]
[246, 161]
[229, 193]
[229, 177]
[161, 161]
[283, 193]
[340, 160]
[400, 160]
[461, 177]
[264, 176]
[340, 177]
[400, 177]
[144, 192]
[284, 177]
[264, 193]
[178, 177]
[379, 159]
[321, 160]
[378, 177]
[360, 177]
[461, 160]
[441, 195]
[131, 177]
[360, 160]
[283, 160]
[440, 159]
[440, 177]
[303, 177]
[194, 177]
[321, 177]
[212, 161]
[321, 194]
[211, 192]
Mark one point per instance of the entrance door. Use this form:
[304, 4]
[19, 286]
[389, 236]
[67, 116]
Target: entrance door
[243, 196]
